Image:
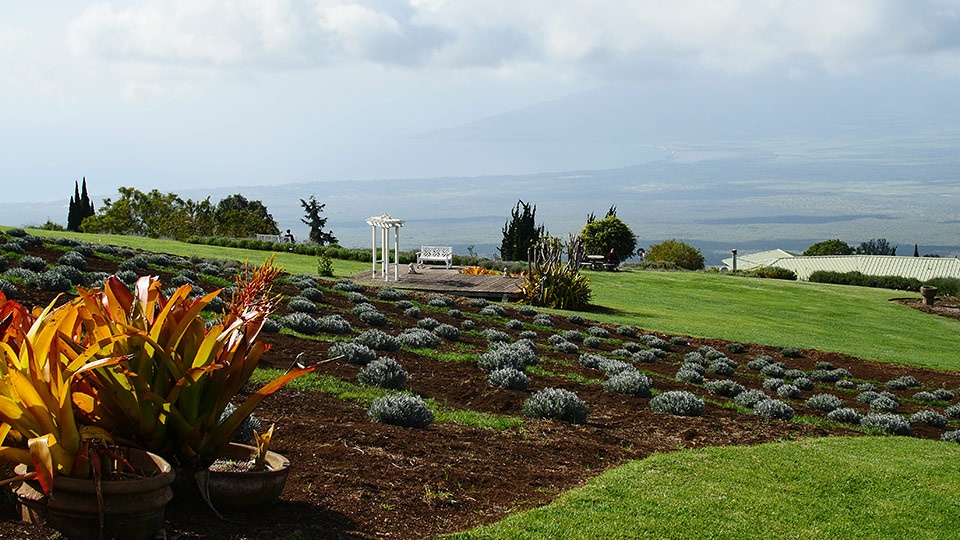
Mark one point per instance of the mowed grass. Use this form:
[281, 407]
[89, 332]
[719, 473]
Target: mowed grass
[858, 321]
[865, 487]
[291, 262]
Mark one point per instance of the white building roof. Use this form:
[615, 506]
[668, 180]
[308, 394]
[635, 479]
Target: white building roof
[749, 261]
[921, 268]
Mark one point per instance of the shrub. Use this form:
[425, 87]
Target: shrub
[924, 396]
[884, 404]
[804, 383]
[695, 357]
[496, 335]
[577, 319]
[598, 332]
[334, 324]
[625, 331]
[832, 375]
[788, 391]
[448, 332]
[592, 342]
[514, 324]
[793, 374]
[353, 353]
[760, 362]
[824, 402]
[33, 263]
[391, 294]
[418, 338]
[643, 356]
[790, 352]
[439, 300]
[845, 415]
[824, 365]
[866, 387]
[8, 289]
[573, 335]
[53, 281]
[74, 276]
[13, 246]
[478, 302]
[527, 334]
[772, 272]
[383, 372]
[677, 253]
[428, 323]
[846, 384]
[413, 312]
[526, 311]
[17, 232]
[270, 325]
[902, 383]
[613, 367]
[774, 369]
[722, 366]
[633, 347]
[401, 410]
[929, 417]
[74, 259]
[952, 411]
[373, 317]
[301, 305]
[685, 374]
[492, 310]
[749, 398]
[312, 293]
[943, 394]
[301, 323]
[774, 409]
[679, 341]
[724, 387]
[677, 403]
[890, 424]
[630, 382]
[590, 360]
[773, 383]
[867, 396]
[455, 313]
[543, 320]
[556, 404]
[347, 285]
[357, 297]
[657, 343]
[951, 436]
[378, 340]
[517, 355]
[468, 324]
[736, 348]
[567, 347]
[509, 378]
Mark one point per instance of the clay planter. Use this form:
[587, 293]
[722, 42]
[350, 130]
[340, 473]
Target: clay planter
[232, 491]
[133, 508]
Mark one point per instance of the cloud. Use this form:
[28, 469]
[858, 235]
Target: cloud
[599, 38]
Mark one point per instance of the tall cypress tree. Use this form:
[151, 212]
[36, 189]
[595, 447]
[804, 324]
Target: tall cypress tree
[80, 206]
[520, 233]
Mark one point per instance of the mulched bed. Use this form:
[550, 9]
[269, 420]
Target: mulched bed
[354, 478]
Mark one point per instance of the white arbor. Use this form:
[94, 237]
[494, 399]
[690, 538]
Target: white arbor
[384, 223]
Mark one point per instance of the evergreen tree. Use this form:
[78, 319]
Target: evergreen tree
[520, 233]
[312, 208]
[916, 250]
[80, 206]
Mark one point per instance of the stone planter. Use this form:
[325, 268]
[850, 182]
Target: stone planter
[929, 294]
[233, 491]
[133, 508]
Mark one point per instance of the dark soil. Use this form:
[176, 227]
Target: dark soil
[355, 478]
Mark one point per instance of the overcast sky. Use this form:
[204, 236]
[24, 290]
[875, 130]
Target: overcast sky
[176, 94]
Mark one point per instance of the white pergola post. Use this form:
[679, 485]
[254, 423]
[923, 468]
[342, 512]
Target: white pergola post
[385, 223]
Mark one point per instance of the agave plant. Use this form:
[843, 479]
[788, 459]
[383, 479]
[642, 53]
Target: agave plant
[552, 282]
[177, 376]
[38, 369]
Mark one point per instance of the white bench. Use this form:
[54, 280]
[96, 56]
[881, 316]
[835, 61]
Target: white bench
[275, 238]
[442, 254]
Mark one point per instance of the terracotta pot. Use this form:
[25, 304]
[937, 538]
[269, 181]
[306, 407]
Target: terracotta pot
[133, 508]
[231, 491]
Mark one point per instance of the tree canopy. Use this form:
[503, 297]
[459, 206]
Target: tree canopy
[520, 233]
[601, 235]
[167, 215]
[312, 210]
[678, 253]
[830, 247]
[81, 207]
[876, 246]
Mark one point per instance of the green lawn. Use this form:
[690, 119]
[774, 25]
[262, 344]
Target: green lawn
[858, 321]
[865, 487]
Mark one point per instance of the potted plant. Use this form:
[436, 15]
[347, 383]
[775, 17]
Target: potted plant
[73, 476]
[177, 376]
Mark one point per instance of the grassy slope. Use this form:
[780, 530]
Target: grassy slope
[867, 487]
[857, 488]
[853, 320]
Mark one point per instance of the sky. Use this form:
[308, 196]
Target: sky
[187, 94]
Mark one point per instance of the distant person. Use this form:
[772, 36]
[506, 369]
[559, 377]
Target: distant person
[641, 254]
[288, 237]
[612, 261]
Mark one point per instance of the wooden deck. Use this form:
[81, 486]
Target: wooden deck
[443, 281]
